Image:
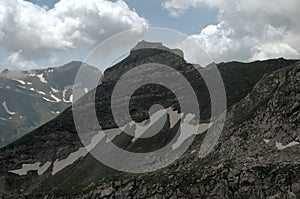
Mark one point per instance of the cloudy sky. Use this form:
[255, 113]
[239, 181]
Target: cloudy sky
[41, 33]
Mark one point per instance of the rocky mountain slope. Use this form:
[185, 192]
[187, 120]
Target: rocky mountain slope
[31, 98]
[256, 155]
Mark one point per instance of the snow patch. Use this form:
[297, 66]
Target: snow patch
[48, 100]
[42, 78]
[187, 127]
[86, 90]
[22, 87]
[41, 92]
[54, 90]
[32, 167]
[112, 133]
[64, 97]
[20, 81]
[71, 98]
[267, 141]
[55, 98]
[193, 151]
[73, 157]
[55, 112]
[141, 128]
[4, 104]
[32, 89]
[1, 118]
[29, 83]
[281, 147]
[174, 117]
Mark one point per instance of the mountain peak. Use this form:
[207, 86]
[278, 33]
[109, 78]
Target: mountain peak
[147, 44]
[155, 45]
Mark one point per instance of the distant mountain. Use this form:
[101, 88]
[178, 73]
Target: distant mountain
[252, 160]
[31, 98]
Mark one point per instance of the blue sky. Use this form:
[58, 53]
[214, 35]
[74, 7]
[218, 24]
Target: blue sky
[48, 3]
[192, 22]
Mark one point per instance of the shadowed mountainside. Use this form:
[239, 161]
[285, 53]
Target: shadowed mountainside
[246, 162]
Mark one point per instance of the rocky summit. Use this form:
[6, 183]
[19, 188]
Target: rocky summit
[257, 155]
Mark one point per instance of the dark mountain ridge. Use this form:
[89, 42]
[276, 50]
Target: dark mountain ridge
[57, 139]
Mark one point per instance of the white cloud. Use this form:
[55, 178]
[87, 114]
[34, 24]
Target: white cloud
[247, 30]
[37, 31]
[16, 62]
[269, 50]
[177, 8]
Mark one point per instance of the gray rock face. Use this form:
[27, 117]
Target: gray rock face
[253, 159]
